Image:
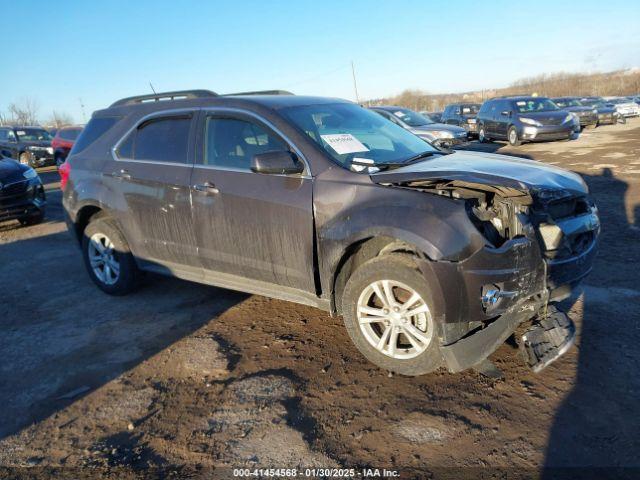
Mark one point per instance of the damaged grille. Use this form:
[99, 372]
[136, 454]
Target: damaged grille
[567, 227]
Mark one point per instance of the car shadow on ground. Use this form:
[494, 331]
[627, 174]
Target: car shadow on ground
[598, 422]
[56, 347]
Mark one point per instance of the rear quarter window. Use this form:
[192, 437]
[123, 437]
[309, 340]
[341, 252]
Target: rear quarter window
[94, 130]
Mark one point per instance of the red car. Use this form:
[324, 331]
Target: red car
[63, 141]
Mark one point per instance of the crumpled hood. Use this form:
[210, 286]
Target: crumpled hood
[487, 169]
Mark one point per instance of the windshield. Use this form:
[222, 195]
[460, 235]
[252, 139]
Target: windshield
[535, 105]
[348, 132]
[567, 102]
[470, 109]
[33, 135]
[411, 118]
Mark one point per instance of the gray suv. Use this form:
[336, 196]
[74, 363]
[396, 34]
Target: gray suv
[432, 258]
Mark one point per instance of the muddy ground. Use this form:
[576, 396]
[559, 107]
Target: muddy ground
[181, 379]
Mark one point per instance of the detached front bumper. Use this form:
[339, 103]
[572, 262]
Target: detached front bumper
[547, 132]
[485, 297]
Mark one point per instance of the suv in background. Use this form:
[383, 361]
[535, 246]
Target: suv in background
[587, 115]
[435, 133]
[520, 119]
[29, 145]
[462, 115]
[63, 142]
[432, 257]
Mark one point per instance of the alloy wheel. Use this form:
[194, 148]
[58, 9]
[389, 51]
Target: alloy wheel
[395, 319]
[102, 258]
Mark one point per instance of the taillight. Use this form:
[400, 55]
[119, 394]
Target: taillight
[64, 171]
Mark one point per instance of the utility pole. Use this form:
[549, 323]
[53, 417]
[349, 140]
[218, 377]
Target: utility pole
[355, 85]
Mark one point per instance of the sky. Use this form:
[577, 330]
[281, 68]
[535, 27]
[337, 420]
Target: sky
[80, 56]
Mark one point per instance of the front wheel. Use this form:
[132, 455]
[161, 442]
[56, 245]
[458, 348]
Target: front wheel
[514, 141]
[387, 310]
[482, 136]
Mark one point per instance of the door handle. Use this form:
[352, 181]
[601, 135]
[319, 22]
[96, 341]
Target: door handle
[121, 175]
[206, 187]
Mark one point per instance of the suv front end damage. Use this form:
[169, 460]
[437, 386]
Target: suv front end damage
[540, 242]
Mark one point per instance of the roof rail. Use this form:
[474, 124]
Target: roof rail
[164, 96]
[260, 92]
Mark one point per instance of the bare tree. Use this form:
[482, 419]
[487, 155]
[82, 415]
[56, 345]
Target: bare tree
[24, 112]
[59, 119]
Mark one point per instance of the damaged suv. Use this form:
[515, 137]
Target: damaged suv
[432, 258]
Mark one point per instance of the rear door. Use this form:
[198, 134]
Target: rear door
[250, 225]
[150, 174]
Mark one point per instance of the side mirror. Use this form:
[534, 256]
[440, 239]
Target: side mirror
[506, 113]
[277, 162]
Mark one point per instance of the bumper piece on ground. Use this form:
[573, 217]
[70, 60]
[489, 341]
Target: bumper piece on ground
[547, 339]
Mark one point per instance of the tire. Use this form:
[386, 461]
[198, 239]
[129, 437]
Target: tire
[32, 219]
[404, 280]
[482, 137]
[512, 137]
[116, 252]
[25, 159]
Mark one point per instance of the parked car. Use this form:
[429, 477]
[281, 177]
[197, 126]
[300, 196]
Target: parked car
[431, 257]
[22, 195]
[587, 115]
[524, 119]
[31, 146]
[625, 107]
[463, 115]
[607, 114]
[423, 126]
[63, 142]
[435, 116]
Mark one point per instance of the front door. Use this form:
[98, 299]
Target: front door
[151, 178]
[254, 226]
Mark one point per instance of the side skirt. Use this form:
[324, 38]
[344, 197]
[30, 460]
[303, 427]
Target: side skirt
[235, 282]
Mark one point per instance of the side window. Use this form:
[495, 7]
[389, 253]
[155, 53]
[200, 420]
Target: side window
[232, 142]
[11, 136]
[3, 135]
[164, 139]
[457, 111]
[96, 127]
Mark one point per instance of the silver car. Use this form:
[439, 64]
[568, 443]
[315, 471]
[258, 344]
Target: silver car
[422, 126]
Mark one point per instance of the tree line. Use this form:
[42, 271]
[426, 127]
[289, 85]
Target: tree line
[25, 112]
[617, 83]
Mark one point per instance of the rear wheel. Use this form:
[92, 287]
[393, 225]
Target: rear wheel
[387, 310]
[108, 258]
[512, 136]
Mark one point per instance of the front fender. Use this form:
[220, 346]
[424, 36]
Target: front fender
[436, 226]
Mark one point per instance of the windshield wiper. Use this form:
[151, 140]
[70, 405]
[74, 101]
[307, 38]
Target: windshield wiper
[390, 165]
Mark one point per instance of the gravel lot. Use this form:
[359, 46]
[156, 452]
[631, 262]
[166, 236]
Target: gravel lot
[186, 379]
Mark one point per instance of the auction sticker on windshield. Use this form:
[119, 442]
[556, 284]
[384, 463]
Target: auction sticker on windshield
[344, 143]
